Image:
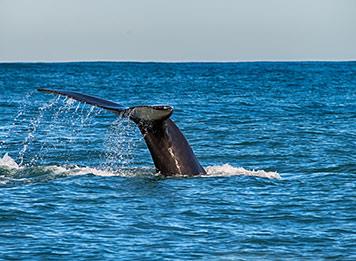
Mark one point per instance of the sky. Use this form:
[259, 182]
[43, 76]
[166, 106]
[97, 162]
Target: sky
[177, 30]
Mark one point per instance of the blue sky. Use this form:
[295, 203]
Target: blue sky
[172, 30]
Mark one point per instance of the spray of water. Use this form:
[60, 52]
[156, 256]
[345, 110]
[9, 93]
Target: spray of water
[66, 126]
[56, 123]
[19, 120]
[119, 145]
[33, 126]
[62, 123]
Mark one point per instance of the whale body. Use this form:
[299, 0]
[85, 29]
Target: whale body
[170, 150]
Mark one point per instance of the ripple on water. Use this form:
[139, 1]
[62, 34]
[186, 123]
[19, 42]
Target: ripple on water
[81, 186]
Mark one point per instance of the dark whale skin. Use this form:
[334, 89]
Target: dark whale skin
[170, 150]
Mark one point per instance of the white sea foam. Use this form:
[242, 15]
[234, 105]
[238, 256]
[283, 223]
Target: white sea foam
[76, 170]
[212, 171]
[228, 170]
[7, 162]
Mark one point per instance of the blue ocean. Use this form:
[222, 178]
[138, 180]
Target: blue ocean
[277, 140]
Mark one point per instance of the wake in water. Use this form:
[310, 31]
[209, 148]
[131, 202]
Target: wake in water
[11, 172]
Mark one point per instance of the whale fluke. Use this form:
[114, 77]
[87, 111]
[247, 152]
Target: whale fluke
[136, 113]
[105, 104]
[170, 150]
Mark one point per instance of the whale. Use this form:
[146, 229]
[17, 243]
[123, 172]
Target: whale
[170, 151]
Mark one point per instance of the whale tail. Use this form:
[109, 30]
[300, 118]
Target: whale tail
[137, 113]
[170, 150]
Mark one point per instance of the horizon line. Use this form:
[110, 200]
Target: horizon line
[172, 61]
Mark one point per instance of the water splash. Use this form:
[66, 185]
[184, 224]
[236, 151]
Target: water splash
[7, 162]
[18, 120]
[12, 173]
[119, 145]
[69, 170]
[74, 118]
[37, 130]
[34, 124]
[63, 123]
[228, 170]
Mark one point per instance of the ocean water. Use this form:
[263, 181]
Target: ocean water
[278, 141]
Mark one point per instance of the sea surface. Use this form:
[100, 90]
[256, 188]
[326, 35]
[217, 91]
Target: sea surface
[278, 141]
